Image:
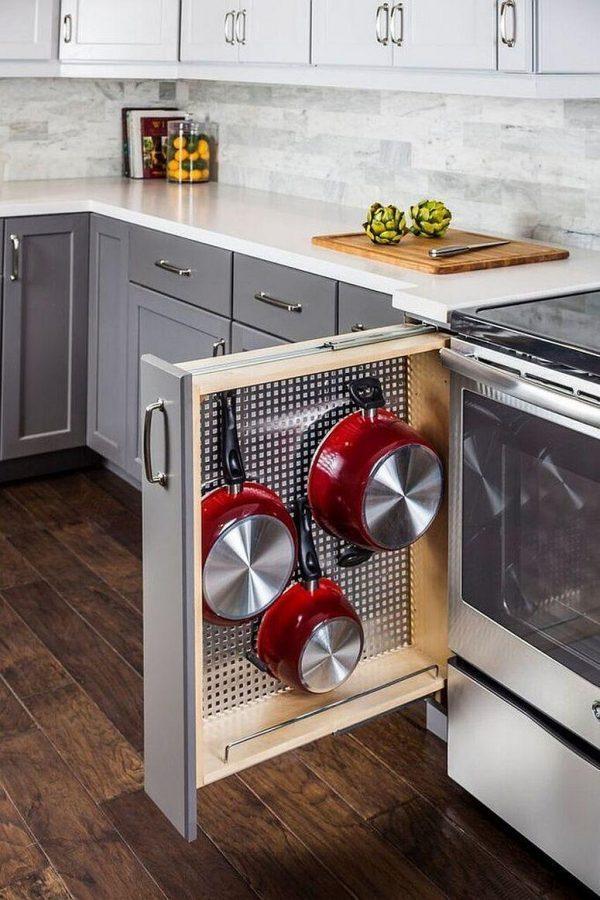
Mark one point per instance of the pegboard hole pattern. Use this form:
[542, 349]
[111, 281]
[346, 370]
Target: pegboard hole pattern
[280, 425]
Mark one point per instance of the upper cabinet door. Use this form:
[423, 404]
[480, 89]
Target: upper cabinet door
[351, 32]
[208, 30]
[120, 30]
[28, 29]
[568, 36]
[439, 34]
[272, 31]
[515, 35]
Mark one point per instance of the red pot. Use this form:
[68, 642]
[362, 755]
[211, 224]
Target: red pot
[374, 481]
[249, 542]
[310, 638]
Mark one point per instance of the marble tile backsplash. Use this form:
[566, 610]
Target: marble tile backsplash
[525, 167]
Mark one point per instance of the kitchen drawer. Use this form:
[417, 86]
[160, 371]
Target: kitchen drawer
[360, 309]
[244, 338]
[196, 273]
[285, 302]
[527, 770]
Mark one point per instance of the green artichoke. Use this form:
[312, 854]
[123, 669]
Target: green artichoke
[430, 218]
[385, 224]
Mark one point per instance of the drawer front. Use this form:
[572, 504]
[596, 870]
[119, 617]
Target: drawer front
[526, 774]
[184, 269]
[244, 338]
[285, 302]
[361, 309]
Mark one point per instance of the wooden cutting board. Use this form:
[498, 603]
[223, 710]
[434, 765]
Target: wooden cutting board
[413, 252]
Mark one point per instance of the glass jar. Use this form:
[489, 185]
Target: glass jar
[188, 152]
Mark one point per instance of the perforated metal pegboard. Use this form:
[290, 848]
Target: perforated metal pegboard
[280, 426]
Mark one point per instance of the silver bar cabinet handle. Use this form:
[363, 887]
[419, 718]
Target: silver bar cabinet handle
[384, 8]
[504, 10]
[358, 326]
[230, 32]
[175, 270]
[16, 257]
[68, 28]
[151, 476]
[219, 348]
[263, 297]
[240, 34]
[397, 36]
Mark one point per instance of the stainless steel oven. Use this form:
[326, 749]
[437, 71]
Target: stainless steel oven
[525, 530]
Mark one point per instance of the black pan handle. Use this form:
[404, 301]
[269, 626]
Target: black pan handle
[308, 561]
[232, 463]
[367, 393]
[354, 556]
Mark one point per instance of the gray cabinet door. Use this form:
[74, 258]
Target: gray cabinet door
[361, 309]
[244, 338]
[44, 334]
[291, 304]
[107, 342]
[171, 330]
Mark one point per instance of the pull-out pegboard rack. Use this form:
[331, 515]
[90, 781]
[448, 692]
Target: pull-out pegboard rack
[221, 712]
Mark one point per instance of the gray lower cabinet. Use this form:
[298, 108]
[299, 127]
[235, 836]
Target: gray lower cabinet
[107, 341]
[44, 335]
[360, 309]
[285, 302]
[173, 331]
[244, 338]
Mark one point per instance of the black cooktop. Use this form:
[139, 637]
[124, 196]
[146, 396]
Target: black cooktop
[562, 332]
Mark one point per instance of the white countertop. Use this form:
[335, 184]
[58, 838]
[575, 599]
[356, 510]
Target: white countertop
[279, 228]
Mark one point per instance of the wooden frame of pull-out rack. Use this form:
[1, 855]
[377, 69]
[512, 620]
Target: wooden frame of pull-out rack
[183, 749]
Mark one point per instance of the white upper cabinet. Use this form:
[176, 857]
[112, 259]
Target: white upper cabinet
[515, 35]
[351, 33]
[273, 31]
[120, 30]
[569, 36]
[28, 29]
[444, 34]
[208, 31]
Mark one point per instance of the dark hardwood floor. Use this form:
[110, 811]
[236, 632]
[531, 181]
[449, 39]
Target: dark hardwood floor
[369, 813]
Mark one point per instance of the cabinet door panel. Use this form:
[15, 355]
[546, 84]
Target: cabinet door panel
[345, 33]
[28, 29]
[44, 335]
[437, 34]
[120, 30]
[568, 36]
[277, 32]
[244, 338]
[361, 309]
[205, 27]
[107, 343]
[171, 330]
[515, 35]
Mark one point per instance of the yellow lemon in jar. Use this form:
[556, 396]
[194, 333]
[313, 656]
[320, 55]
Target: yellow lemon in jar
[181, 155]
[196, 175]
[183, 175]
[179, 143]
[194, 156]
[173, 165]
[203, 149]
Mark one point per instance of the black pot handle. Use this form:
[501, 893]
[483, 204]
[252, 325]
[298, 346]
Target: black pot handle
[367, 393]
[354, 556]
[231, 455]
[308, 561]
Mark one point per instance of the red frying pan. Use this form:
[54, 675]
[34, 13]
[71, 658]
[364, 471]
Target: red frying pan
[310, 638]
[374, 481]
[249, 543]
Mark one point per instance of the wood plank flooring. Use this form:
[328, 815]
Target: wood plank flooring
[369, 813]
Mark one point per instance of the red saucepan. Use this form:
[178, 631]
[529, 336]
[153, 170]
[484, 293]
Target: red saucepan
[374, 481]
[249, 543]
[311, 638]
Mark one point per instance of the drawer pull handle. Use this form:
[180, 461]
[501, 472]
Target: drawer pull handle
[230, 32]
[397, 34]
[68, 28]
[219, 348]
[151, 476]
[240, 33]
[508, 41]
[263, 297]
[16, 249]
[174, 270]
[358, 326]
[596, 709]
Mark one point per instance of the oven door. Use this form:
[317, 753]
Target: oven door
[525, 533]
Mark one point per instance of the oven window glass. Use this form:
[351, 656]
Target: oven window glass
[531, 530]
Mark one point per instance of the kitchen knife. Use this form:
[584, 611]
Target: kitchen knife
[456, 249]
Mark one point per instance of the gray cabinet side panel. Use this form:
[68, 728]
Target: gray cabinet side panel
[107, 360]
[169, 608]
[44, 336]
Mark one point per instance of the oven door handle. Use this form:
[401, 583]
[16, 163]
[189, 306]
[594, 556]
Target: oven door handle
[544, 397]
